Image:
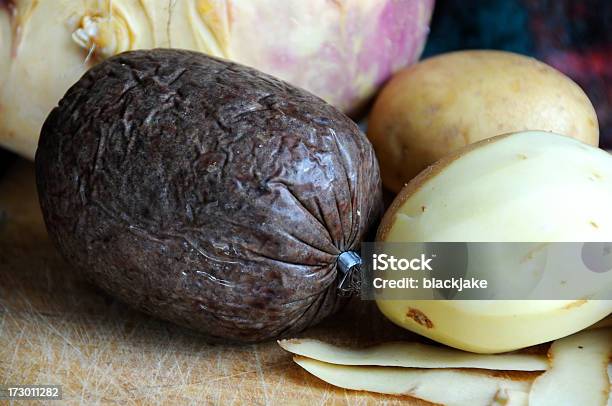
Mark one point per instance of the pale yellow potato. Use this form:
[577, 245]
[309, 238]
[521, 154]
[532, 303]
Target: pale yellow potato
[533, 187]
[446, 102]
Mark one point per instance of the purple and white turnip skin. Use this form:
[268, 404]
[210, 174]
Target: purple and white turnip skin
[341, 50]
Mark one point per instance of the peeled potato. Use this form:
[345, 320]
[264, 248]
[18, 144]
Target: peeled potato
[444, 103]
[531, 186]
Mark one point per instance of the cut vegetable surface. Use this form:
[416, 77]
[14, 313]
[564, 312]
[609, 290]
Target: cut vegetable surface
[578, 373]
[412, 355]
[525, 187]
[451, 387]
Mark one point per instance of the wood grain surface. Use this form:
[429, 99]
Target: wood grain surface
[55, 328]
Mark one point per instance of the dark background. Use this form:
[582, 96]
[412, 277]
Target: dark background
[574, 36]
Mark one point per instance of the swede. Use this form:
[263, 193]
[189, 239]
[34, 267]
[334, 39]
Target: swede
[340, 50]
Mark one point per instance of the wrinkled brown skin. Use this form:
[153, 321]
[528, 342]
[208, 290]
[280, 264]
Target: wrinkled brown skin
[205, 192]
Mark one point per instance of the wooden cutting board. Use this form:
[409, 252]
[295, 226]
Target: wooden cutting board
[57, 329]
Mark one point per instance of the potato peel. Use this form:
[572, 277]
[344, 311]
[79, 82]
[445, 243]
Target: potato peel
[412, 355]
[578, 373]
[446, 386]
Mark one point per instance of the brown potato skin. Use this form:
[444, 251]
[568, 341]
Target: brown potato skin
[446, 102]
[205, 192]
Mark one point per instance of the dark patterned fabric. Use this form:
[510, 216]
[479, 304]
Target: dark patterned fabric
[573, 36]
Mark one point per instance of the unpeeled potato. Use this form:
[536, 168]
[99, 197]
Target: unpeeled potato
[446, 102]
